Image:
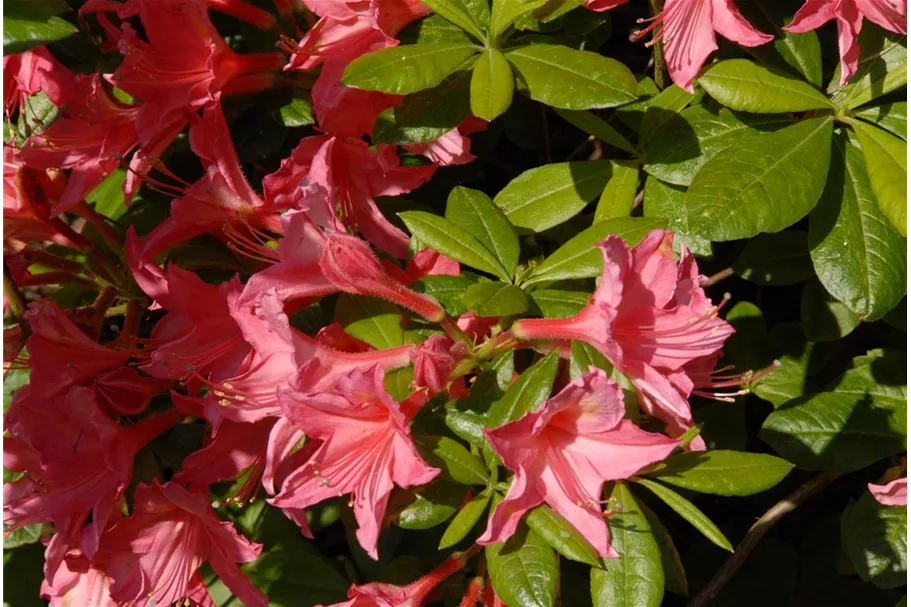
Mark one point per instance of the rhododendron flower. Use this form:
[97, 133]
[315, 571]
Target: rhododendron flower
[366, 449]
[563, 454]
[79, 462]
[31, 72]
[153, 557]
[650, 318]
[849, 15]
[78, 583]
[687, 29]
[434, 362]
[891, 494]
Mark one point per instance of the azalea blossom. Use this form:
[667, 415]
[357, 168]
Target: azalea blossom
[78, 583]
[891, 494]
[563, 454]
[891, 15]
[650, 318]
[366, 449]
[434, 362]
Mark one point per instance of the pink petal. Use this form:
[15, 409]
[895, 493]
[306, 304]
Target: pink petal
[728, 22]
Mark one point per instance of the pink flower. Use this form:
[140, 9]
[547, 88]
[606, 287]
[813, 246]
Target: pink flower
[849, 15]
[563, 454]
[603, 5]
[153, 556]
[650, 318]
[366, 450]
[78, 583]
[434, 362]
[34, 71]
[688, 30]
[891, 494]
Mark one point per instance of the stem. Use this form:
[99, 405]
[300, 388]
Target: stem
[656, 7]
[718, 277]
[14, 299]
[453, 331]
[104, 300]
[756, 532]
[99, 222]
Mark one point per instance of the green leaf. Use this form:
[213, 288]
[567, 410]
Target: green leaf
[596, 127]
[688, 511]
[431, 29]
[29, 534]
[668, 202]
[465, 520]
[296, 113]
[447, 290]
[824, 318]
[686, 141]
[619, 195]
[546, 196]
[452, 241]
[470, 15]
[778, 259]
[857, 254]
[398, 383]
[495, 299]
[890, 116]
[458, 462]
[762, 184]
[787, 344]
[527, 393]
[523, 570]
[504, 13]
[887, 166]
[800, 53]
[477, 214]
[31, 23]
[636, 579]
[745, 348]
[722, 472]
[875, 537]
[561, 536]
[579, 258]
[861, 419]
[881, 68]
[427, 114]
[554, 303]
[38, 114]
[434, 505]
[741, 84]
[674, 573]
[659, 109]
[375, 321]
[565, 78]
[583, 356]
[492, 85]
[407, 69]
[107, 197]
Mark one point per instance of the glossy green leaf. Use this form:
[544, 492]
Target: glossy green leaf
[107, 197]
[427, 114]
[778, 259]
[495, 299]
[741, 84]
[524, 570]
[447, 290]
[875, 537]
[296, 113]
[596, 127]
[31, 23]
[553, 303]
[398, 383]
[584, 356]
[881, 68]
[458, 462]
[800, 53]
[375, 321]
[560, 535]
[857, 254]
[688, 511]
[546, 196]
[470, 15]
[503, 13]
[668, 202]
[636, 579]
[431, 29]
[619, 195]
[452, 241]
[745, 349]
[492, 85]
[579, 258]
[721, 472]
[477, 214]
[38, 114]
[761, 184]
[686, 141]
[674, 573]
[565, 78]
[862, 418]
[29, 534]
[824, 318]
[786, 343]
[890, 116]
[660, 109]
[526, 393]
[465, 520]
[887, 166]
[433, 506]
[407, 69]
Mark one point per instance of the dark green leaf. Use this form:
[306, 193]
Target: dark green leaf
[778, 259]
[875, 538]
[858, 256]
[296, 113]
[688, 511]
[447, 290]
[787, 344]
[431, 29]
[761, 184]
[375, 321]
[433, 506]
[583, 357]
[107, 197]
[527, 393]
[572, 80]
[674, 574]
[476, 213]
[559, 304]
[887, 166]
[465, 520]
[492, 85]
[458, 462]
[661, 108]
[636, 579]
[30, 23]
[722, 472]
[824, 318]
[29, 534]
[740, 84]
[524, 570]
[881, 68]
[38, 114]
[505, 12]
[427, 114]
[668, 202]
[619, 195]
[407, 69]
[800, 53]
[560, 535]
[470, 15]
[495, 299]
[596, 127]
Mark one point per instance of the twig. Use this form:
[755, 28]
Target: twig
[718, 277]
[658, 48]
[581, 147]
[756, 532]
